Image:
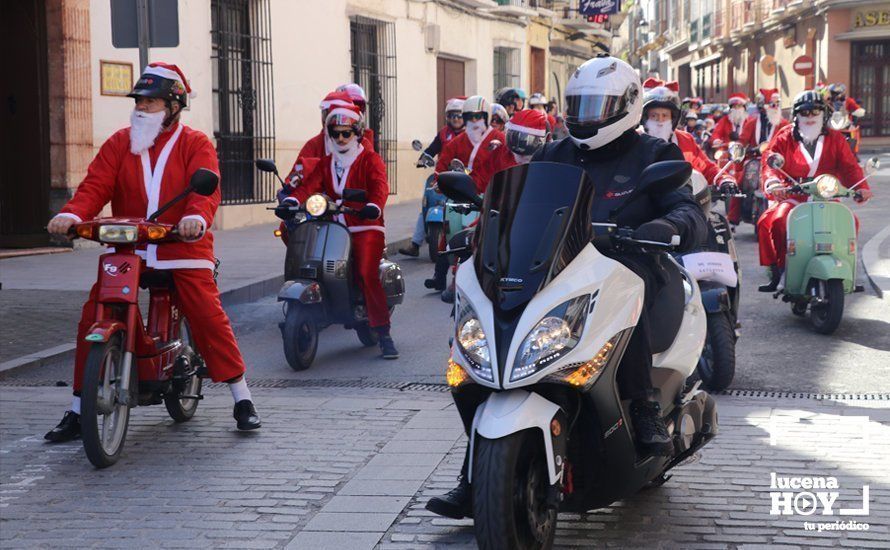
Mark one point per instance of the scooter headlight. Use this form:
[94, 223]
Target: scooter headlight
[473, 342]
[554, 336]
[118, 233]
[316, 205]
[839, 120]
[827, 186]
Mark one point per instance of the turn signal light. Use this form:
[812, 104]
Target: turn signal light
[156, 232]
[277, 232]
[792, 247]
[455, 375]
[85, 231]
[591, 369]
[851, 247]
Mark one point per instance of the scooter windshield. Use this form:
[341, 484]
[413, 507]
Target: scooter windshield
[536, 219]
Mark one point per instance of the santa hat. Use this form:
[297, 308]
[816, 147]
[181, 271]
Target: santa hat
[738, 99]
[335, 99]
[455, 103]
[652, 83]
[345, 115]
[770, 94]
[170, 72]
[528, 121]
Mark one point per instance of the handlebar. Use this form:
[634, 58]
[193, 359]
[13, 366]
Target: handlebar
[621, 237]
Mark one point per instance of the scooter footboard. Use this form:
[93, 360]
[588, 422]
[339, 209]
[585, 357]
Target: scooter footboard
[509, 412]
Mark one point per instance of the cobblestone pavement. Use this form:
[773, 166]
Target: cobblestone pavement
[352, 468]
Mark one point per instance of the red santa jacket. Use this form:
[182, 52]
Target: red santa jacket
[751, 131]
[832, 156]
[697, 158]
[317, 148]
[462, 148]
[500, 159]
[368, 172]
[136, 185]
[723, 131]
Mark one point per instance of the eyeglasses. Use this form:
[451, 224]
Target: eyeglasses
[344, 133]
[474, 116]
[774, 105]
[810, 112]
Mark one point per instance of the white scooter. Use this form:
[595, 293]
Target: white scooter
[542, 322]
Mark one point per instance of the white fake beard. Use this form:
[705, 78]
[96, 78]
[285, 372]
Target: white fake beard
[144, 130]
[661, 130]
[810, 128]
[773, 115]
[345, 155]
[737, 116]
[475, 131]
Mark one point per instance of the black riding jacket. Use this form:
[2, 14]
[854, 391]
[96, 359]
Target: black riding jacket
[615, 169]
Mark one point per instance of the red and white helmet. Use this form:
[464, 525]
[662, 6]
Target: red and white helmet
[455, 104]
[527, 131]
[476, 104]
[356, 94]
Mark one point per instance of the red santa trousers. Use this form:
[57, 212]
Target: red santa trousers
[197, 296]
[367, 250]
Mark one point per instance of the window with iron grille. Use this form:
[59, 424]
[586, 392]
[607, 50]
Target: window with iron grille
[372, 46]
[506, 68]
[243, 119]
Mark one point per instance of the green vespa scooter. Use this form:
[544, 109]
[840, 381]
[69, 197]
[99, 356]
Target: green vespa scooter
[820, 264]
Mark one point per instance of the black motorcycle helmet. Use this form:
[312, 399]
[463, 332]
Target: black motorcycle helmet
[508, 96]
[162, 81]
[807, 101]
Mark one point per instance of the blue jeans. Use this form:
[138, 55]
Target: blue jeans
[419, 230]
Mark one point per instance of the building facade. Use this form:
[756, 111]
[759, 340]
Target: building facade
[259, 69]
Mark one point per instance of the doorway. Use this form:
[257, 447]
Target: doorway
[870, 85]
[449, 83]
[538, 70]
[24, 125]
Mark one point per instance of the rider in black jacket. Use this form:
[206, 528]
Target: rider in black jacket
[603, 108]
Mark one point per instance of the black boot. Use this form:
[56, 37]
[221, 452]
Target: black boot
[246, 416]
[649, 427]
[775, 277]
[435, 284]
[412, 250]
[456, 503]
[67, 430]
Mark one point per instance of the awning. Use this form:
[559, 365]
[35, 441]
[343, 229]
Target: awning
[865, 34]
[706, 60]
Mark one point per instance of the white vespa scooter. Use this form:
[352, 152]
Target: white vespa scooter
[542, 321]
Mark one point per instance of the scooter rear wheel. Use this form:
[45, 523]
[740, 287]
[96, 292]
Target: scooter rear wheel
[300, 336]
[182, 410]
[510, 488]
[433, 233]
[716, 367]
[104, 419]
[366, 335]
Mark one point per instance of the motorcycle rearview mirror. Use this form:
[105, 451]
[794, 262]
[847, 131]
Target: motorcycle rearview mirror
[266, 165]
[459, 187]
[664, 177]
[775, 161]
[736, 151]
[872, 165]
[202, 182]
[416, 145]
[355, 195]
[457, 166]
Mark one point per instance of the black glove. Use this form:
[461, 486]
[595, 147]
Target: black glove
[284, 212]
[658, 230]
[729, 188]
[369, 212]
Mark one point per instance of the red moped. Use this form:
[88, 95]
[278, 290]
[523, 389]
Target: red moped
[133, 363]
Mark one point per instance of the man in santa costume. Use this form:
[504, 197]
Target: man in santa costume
[661, 115]
[729, 128]
[810, 148]
[763, 126]
[527, 132]
[472, 148]
[351, 166]
[454, 126]
[137, 169]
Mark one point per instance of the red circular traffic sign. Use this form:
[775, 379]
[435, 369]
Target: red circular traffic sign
[804, 65]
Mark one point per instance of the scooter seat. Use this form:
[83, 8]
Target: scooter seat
[156, 278]
[666, 313]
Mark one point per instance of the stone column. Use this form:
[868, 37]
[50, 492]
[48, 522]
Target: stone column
[70, 96]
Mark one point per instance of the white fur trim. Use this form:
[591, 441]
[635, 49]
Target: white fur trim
[164, 73]
[360, 228]
[476, 148]
[525, 129]
[345, 112]
[203, 227]
[151, 260]
[152, 180]
[812, 161]
[74, 217]
[379, 210]
[333, 103]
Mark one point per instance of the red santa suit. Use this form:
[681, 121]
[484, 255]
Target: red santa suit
[367, 172]
[832, 156]
[697, 158]
[136, 185]
[751, 131]
[724, 131]
[462, 148]
[500, 159]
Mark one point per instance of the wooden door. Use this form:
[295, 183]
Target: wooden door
[449, 83]
[538, 70]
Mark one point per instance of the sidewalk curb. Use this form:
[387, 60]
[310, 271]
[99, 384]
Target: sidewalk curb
[248, 292]
[871, 260]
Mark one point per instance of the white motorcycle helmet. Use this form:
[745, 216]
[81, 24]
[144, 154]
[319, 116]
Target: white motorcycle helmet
[603, 100]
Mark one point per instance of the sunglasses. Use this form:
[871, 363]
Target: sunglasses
[453, 116]
[344, 133]
[473, 116]
[810, 112]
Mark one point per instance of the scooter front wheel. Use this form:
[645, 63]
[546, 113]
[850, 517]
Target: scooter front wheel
[104, 419]
[826, 317]
[300, 335]
[510, 488]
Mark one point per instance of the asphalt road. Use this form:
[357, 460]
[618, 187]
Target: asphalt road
[776, 351]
